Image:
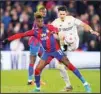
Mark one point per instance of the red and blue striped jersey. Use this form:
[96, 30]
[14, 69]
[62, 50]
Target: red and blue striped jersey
[33, 39]
[44, 35]
[47, 39]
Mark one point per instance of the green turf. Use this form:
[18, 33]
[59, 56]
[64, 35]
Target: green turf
[16, 80]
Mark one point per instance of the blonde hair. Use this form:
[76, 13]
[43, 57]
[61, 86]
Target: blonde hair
[37, 15]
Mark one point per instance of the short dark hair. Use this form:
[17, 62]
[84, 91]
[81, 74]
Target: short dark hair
[37, 15]
[62, 8]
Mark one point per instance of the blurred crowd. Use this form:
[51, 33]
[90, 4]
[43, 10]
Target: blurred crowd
[18, 16]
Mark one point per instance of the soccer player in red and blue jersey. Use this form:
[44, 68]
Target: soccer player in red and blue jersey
[47, 35]
[37, 49]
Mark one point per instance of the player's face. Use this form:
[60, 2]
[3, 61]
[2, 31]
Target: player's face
[43, 12]
[39, 22]
[62, 14]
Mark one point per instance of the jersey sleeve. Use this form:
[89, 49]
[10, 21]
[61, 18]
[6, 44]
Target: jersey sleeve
[52, 29]
[20, 35]
[77, 22]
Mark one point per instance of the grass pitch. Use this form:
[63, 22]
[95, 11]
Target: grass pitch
[15, 81]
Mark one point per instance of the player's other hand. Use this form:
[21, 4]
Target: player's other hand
[5, 41]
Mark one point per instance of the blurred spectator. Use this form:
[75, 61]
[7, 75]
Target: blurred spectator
[72, 8]
[81, 6]
[15, 18]
[91, 10]
[10, 30]
[8, 8]
[40, 4]
[92, 46]
[85, 18]
[6, 19]
[18, 7]
[43, 11]
[95, 23]
[24, 18]
[2, 31]
[1, 13]
[16, 45]
[17, 28]
[8, 2]
[50, 6]
[30, 14]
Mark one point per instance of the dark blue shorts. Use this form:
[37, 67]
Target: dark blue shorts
[35, 49]
[57, 54]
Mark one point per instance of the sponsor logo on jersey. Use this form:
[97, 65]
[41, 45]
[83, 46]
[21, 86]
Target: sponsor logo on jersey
[65, 29]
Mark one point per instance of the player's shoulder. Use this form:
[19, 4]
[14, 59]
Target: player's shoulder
[69, 17]
[50, 25]
[57, 20]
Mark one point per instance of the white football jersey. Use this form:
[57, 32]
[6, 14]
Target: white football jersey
[69, 25]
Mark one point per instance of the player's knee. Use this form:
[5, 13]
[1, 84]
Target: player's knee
[49, 60]
[32, 59]
[37, 71]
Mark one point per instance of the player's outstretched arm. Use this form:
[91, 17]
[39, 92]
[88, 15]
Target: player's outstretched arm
[17, 36]
[88, 28]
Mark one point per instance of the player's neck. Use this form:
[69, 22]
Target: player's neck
[63, 19]
[41, 26]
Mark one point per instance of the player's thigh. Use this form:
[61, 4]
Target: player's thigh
[32, 59]
[58, 54]
[34, 49]
[65, 60]
[41, 65]
[49, 59]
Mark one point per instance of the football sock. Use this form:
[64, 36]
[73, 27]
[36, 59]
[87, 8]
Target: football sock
[37, 80]
[65, 76]
[30, 72]
[37, 77]
[76, 72]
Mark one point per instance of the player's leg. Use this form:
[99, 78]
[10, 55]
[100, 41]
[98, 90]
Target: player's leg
[64, 75]
[41, 51]
[59, 54]
[62, 57]
[33, 53]
[38, 70]
[70, 66]
[37, 73]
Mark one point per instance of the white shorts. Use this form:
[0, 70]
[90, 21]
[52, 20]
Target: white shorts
[73, 46]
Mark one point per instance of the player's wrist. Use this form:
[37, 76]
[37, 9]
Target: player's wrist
[91, 31]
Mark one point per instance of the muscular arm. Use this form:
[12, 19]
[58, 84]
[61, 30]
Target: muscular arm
[20, 35]
[87, 28]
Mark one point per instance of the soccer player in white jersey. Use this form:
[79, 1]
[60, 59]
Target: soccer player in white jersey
[68, 25]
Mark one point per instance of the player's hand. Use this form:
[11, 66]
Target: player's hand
[5, 41]
[95, 33]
